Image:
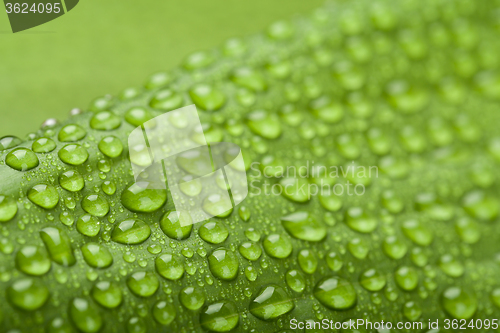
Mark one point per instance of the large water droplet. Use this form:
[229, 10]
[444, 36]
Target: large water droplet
[21, 159]
[176, 225]
[142, 200]
[58, 245]
[33, 260]
[192, 298]
[220, 317]
[97, 255]
[131, 231]
[73, 154]
[459, 303]
[107, 294]
[417, 232]
[335, 293]
[372, 280]
[27, 294]
[72, 132]
[223, 264]
[110, 146]
[8, 208]
[95, 205]
[250, 251]
[143, 284]
[214, 232]
[265, 124]
[207, 97]
[406, 278]
[304, 226]
[43, 195]
[71, 180]
[277, 246]
[105, 121]
[169, 266]
[359, 220]
[85, 315]
[166, 100]
[271, 302]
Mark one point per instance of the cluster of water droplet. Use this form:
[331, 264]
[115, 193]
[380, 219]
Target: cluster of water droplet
[397, 88]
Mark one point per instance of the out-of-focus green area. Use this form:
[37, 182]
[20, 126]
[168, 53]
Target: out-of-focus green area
[104, 46]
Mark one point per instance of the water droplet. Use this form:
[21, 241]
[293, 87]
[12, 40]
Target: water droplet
[207, 97]
[392, 202]
[192, 298]
[85, 315]
[73, 154]
[33, 260]
[176, 225]
[164, 313]
[9, 141]
[308, 261]
[304, 226]
[166, 100]
[459, 303]
[327, 110]
[43, 195]
[131, 231]
[335, 293]
[394, 247]
[277, 246]
[214, 232]
[405, 97]
[72, 181]
[143, 284]
[21, 159]
[358, 248]
[142, 200]
[105, 121]
[372, 280]
[252, 234]
[217, 205]
[359, 220]
[280, 30]
[451, 266]
[95, 205]
[219, 317]
[349, 76]
[107, 294]
[250, 251]
[406, 278]
[334, 261]
[480, 205]
[378, 141]
[71, 132]
[27, 294]
[108, 187]
[417, 232]
[295, 280]
[295, 189]
[198, 60]
[97, 255]
[58, 245]
[136, 325]
[110, 146]
[235, 47]
[244, 213]
[468, 230]
[223, 264]
[8, 208]
[265, 124]
[169, 266]
[271, 302]
[412, 311]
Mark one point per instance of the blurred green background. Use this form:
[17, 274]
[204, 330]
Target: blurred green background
[104, 46]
